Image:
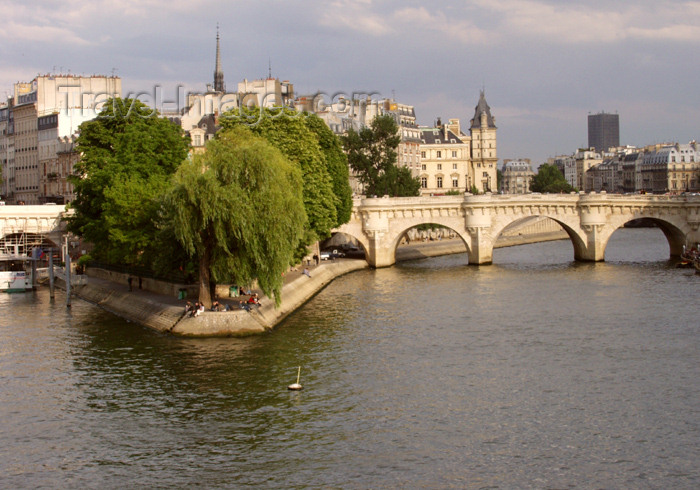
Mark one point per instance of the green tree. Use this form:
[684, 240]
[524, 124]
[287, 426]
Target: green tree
[288, 131]
[372, 156]
[128, 155]
[238, 209]
[337, 165]
[549, 179]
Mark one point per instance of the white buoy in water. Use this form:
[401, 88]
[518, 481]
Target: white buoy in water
[296, 386]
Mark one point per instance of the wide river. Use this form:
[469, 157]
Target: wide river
[534, 372]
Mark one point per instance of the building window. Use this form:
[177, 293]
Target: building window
[439, 166]
[422, 154]
[424, 182]
[439, 154]
[454, 154]
[423, 166]
[455, 181]
[454, 166]
[486, 174]
[439, 182]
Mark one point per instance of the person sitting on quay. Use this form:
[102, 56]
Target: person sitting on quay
[194, 309]
[199, 310]
[254, 300]
[188, 307]
[306, 272]
[216, 306]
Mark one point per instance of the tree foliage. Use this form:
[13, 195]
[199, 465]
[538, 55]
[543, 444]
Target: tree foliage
[549, 179]
[372, 156]
[239, 209]
[337, 165]
[300, 138]
[128, 155]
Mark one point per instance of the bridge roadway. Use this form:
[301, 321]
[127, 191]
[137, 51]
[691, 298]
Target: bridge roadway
[589, 219]
[45, 220]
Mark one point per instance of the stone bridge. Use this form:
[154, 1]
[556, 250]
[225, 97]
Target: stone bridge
[589, 220]
[41, 220]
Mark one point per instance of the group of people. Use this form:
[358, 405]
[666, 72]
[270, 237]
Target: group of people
[196, 309]
[691, 254]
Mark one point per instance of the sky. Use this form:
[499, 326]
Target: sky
[544, 64]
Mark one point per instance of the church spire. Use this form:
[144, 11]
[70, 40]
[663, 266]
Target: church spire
[218, 74]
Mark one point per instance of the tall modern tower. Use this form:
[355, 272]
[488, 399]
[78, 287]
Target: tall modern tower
[218, 74]
[603, 131]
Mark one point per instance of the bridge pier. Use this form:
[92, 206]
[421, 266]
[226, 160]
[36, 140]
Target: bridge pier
[594, 249]
[481, 250]
[378, 254]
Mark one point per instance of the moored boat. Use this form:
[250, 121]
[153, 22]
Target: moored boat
[15, 274]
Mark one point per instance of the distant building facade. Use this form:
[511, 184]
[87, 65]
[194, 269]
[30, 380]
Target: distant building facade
[603, 131]
[516, 176]
[658, 169]
[671, 168]
[445, 159]
[585, 159]
[484, 147]
[567, 166]
[32, 123]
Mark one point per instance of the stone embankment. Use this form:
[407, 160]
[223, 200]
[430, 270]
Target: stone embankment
[156, 305]
[165, 313]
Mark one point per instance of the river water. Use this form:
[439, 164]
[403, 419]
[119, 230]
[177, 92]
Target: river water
[534, 372]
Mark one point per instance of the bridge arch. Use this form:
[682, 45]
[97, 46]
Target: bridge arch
[675, 231]
[565, 215]
[361, 239]
[573, 230]
[461, 234]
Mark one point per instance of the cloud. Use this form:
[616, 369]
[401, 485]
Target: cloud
[15, 32]
[574, 22]
[354, 16]
[419, 19]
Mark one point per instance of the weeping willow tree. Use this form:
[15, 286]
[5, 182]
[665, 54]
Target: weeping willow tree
[238, 210]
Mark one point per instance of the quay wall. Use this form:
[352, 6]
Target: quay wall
[165, 314]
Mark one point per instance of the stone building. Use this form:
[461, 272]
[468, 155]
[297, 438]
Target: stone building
[483, 147]
[453, 160]
[567, 166]
[516, 176]
[585, 159]
[445, 159]
[607, 176]
[68, 156]
[671, 168]
[39, 113]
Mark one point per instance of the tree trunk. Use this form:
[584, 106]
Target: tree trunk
[205, 277]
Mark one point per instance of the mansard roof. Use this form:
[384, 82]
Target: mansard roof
[482, 107]
[209, 124]
[436, 136]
